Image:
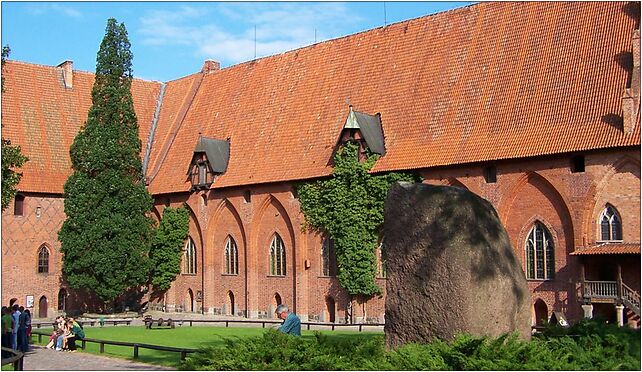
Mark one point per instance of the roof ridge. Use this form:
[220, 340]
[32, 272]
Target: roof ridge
[13, 61]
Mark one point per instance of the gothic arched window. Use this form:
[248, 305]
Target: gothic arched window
[540, 257]
[610, 224]
[231, 257]
[190, 257]
[43, 260]
[277, 256]
[328, 258]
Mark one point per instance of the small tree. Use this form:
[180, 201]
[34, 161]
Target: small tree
[349, 208]
[168, 246]
[12, 157]
[107, 234]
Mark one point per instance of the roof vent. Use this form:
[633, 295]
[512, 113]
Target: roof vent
[210, 66]
[67, 73]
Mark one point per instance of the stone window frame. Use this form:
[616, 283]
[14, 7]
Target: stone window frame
[547, 250]
[231, 256]
[609, 217]
[43, 259]
[277, 257]
[189, 267]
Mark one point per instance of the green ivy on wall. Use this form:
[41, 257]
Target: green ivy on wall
[349, 208]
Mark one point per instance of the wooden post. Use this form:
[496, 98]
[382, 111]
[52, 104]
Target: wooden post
[102, 347]
[183, 355]
[135, 351]
[619, 282]
[582, 280]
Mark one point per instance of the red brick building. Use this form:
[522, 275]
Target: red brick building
[533, 106]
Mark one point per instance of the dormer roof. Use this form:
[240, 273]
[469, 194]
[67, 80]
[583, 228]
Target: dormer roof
[216, 151]
[370, 127]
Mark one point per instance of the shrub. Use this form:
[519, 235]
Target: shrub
[585, 346]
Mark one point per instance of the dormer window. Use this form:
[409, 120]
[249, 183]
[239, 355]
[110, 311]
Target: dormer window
[209, 160]
[364, 130]
[200, 174]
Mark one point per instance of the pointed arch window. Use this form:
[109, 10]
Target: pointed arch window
[610, 224]
[43, 260]
[277, 256]
[381, 263]
[231, 257]
[540, 257]
[328, 258]
[190, 257]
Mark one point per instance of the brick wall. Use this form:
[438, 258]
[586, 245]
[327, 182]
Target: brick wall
[530, 190]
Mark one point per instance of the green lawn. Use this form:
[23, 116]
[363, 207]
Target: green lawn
[188, 337]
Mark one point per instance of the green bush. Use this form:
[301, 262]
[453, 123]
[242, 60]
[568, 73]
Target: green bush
[585, 346]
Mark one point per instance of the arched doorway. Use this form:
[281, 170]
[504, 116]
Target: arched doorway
[62, 300]
[330, 309]
[42, 307]
[230, 304]
[190, 297]
[541, 312]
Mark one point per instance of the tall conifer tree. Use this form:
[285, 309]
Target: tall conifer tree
[107, 234]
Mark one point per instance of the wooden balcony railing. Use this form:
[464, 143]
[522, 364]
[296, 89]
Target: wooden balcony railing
[600, 289]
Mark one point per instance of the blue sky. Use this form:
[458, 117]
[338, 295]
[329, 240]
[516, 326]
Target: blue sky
[172, 39]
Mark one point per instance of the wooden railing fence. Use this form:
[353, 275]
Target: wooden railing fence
[17, 359]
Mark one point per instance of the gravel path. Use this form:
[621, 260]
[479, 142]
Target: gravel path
[43, 359]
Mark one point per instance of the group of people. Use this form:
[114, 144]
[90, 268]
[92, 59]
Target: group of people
[16, 328]
[65, 334]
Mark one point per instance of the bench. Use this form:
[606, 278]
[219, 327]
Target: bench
[159, 323]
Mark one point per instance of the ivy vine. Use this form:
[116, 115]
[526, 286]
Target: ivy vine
[348, 207]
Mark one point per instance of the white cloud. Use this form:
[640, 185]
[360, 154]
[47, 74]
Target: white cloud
[279, 27]
[42, 8]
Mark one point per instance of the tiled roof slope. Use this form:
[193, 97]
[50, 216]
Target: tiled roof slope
[176, 101]
[484, 82]
[43, 117]
[609, 248]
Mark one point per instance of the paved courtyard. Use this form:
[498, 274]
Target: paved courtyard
[43, 359]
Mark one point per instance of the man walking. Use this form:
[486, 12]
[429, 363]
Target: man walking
[291, 322]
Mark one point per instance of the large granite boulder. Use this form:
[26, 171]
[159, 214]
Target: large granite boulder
[450, 267]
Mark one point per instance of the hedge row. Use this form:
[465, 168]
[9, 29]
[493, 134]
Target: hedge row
[585, 346]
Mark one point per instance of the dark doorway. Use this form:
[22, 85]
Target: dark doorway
[190, 306]
[330, 306]
[230, 303]
[42, 307]
[541, 312]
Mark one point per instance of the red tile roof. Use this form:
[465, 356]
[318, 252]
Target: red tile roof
[609, 248]
[485, 82]
[492, 81]
[43, 117]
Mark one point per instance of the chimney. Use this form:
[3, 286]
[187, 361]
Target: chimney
[67, 73]
[631, 98]
[210, 66]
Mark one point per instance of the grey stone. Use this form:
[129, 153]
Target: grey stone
[450, 267]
